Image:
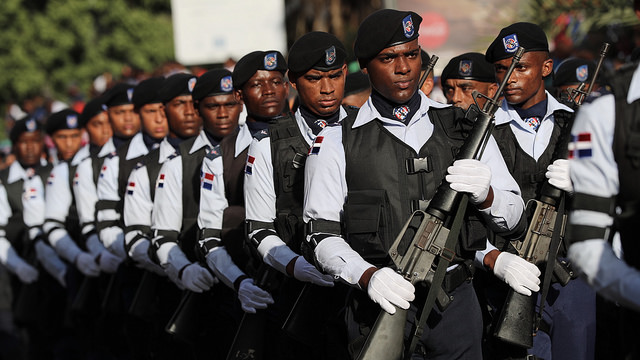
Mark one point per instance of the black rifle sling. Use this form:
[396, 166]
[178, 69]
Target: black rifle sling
[551, 259]
[438, 277]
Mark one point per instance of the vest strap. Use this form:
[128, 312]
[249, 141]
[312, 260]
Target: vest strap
[415, 165]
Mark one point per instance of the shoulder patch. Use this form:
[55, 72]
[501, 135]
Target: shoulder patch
[214, 153]
[131, 187]
[262, 134]
[206, 180]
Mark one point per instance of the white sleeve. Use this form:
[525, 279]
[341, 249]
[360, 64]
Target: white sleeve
[260, 203]
[591, 160]
[107, 188]
[167, 214]
[507, 207]
[138, 206]
[167, 204]
[58, 201]
[325, 192]
[325, 184]
[259, 192]
[33, 206]
[213, 200]
[86, 195]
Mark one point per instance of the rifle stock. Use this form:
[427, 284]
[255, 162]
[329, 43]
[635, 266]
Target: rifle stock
[427, 235]
[144, 296]
[182, 324]
[249, 340]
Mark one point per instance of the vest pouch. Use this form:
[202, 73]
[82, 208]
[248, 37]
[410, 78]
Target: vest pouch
[366, 215]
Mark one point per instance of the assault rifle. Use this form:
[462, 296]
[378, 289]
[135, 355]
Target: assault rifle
[431, 236]
[579, 94]
[517, 322]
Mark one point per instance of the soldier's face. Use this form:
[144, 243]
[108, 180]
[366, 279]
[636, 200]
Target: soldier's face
[99, 129]
[220, 114]
[124, 120]
[154, 122]
[67, 142]
[395, 71]
[525, 87]
[265, 94]
[183, 119]
[28, 148]
[459, 91]
[321, 91]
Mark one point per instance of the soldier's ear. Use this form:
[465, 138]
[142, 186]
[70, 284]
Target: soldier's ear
[237, 94]
[547, 67]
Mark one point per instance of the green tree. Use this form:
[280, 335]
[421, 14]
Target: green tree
[47, 44]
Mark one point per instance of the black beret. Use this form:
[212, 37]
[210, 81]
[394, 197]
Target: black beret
[119, 94]
[26, 124]
[385, 28]
[146, 92]
[530, 36]
[316, 50]
[469, 66]
[574, 71]
[177, 85]
[213, 82]
[270, 60]
[62, 120]
[356, 82]
[425, 59]
[91, 109]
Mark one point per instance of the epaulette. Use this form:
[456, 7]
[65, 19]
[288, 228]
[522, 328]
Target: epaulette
[596, 94]
[111, 155]
[214, 153]
[264, 133]
[173, 156]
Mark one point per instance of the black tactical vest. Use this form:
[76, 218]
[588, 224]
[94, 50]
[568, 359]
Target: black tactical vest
[233, 236]
[289, 152]
[626, 148]
[191, 167]
[150, 161]
[388, 180]
[529, 173]
[15, 229]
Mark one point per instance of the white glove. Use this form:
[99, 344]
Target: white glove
[113, 239]
[304, 271]
[109, 262]
[87, 265]
[472, 177]
[521, 275]
[26, 273]
[252, 297]
[50, 261]
[559, 176]
[196, 278]
[389, 288]
[139, 253]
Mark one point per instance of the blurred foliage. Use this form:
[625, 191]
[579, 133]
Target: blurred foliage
[47, 45]
[587, 14]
